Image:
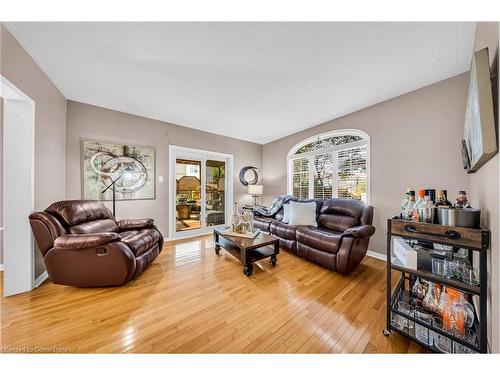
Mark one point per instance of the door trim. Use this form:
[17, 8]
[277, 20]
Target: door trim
[203, 155]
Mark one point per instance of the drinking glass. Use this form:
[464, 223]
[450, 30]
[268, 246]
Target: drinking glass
[461, 349]
[441, 342]
[448, 267]
[471, 276]
[422, 332]
[458, 268]
[469, 335]
[405, 308]
[398, 321]
[441, 267]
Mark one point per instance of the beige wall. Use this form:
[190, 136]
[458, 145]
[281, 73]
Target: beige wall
[88, 121]
[50, 123]
[415, 142]
[1, 182]
[484, 188]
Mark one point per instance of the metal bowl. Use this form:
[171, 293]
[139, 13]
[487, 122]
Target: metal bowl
[459, 217]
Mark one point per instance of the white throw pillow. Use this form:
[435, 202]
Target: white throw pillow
[302, 213]
[286, 213]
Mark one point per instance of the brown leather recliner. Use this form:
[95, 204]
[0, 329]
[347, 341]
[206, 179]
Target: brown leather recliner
[83, 245]
[340, 241]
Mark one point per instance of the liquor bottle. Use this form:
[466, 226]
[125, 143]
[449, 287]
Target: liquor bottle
[462, 201]
[442, 199]
[427, 211]
[431, 193]
[408, 212]
[405, 202]
[235, 219]
[420, 200]
[416, 217]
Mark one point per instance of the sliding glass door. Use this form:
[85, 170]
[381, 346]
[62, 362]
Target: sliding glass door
[200, 191]
[215, 192]
[188, 194]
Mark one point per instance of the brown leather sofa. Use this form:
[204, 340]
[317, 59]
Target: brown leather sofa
[340, 241]
[83, 245]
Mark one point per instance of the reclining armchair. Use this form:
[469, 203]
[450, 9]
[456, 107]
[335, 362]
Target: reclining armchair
[83, 244]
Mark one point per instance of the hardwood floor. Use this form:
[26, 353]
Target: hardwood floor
[191, 300]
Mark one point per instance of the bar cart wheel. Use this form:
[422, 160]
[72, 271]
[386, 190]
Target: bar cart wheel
[386, 332]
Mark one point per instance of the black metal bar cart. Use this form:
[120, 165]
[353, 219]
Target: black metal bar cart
[466, 240]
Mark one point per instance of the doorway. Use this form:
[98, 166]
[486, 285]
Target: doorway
[200, 191]
[18, 188]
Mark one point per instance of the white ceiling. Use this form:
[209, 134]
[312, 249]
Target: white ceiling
[253, 81]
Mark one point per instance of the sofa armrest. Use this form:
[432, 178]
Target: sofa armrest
[129, 224]
[82, 241]
[361, 231]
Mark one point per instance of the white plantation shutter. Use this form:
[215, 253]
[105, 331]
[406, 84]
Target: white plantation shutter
[352, 173]
[323, 176]
[331, 165]
[300, 178]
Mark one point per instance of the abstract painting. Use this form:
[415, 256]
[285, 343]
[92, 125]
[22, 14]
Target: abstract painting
[132, 166]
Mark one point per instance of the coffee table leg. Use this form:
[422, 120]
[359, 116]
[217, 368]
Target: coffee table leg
[274, 257]
[246, 258]
[273, 260]
[248, 269]
[217, 246]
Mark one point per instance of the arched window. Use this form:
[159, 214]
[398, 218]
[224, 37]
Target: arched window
[331, 165]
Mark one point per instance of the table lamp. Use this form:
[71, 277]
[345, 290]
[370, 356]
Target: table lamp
[255, 191]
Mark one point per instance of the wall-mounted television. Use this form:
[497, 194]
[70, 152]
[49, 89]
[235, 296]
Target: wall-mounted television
[480, 140]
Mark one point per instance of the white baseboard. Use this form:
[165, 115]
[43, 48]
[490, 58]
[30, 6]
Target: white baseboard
[40, 279]
[377, 255]
[1, 266]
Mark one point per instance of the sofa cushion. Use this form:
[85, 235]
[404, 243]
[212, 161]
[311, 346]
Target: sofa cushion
[282, 230]
[340, 214]
[317, 256]
[289, 245]
[82, 241]
[337, 223]
[319, 238]
[263, 223]
[96, 226]
[79, 211]
[128, 224]
[142, 241]
[128, 233]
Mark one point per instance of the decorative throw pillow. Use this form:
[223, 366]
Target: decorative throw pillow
[302, 213]
[286, 213]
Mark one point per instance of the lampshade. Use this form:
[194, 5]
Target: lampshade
[255, 189]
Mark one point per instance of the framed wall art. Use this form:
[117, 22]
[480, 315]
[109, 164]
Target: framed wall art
[132, 166]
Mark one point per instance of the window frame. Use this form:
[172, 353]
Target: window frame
[329, 150]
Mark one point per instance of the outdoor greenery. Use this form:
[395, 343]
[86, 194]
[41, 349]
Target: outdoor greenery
[328, 142]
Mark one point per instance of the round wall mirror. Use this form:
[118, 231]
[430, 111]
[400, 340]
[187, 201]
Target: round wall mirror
[249, 176]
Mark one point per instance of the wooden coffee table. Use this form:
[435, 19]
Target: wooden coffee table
[248, 250]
